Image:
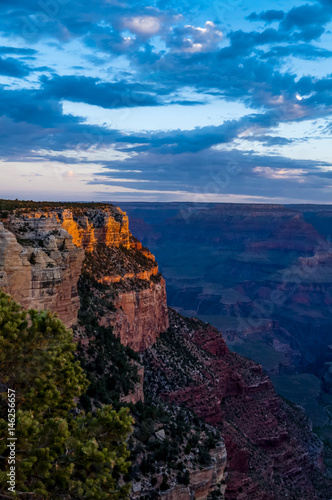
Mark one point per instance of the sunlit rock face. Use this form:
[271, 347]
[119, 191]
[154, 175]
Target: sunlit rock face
[92, 227]
[120, 262]
[41, 268]
[41, 257]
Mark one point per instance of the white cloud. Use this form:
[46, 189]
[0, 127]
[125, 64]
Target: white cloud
[280, 173]
[193, 39]
[143, 25]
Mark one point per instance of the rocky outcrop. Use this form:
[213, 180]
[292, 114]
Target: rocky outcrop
[119, 261]
[42, 270]
[203, 481]
[140, 316]
[91, 227]
[41, 256]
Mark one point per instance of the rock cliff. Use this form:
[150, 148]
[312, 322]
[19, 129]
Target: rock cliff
[41, 269]
[41, 255]
[272, 453]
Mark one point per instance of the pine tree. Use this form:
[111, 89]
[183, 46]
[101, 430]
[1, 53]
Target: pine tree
[60, 452]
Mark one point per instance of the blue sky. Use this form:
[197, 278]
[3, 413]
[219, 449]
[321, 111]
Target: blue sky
[161, 100]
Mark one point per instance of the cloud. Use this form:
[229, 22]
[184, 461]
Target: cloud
[17, 50]
[176, 142]
[268, 16]
[143, 25]
[308, 19]
[95, 92]
[13, 67]
[305, 15]
[219, 172]
[303, 51]
[153, 53]
[191, 39]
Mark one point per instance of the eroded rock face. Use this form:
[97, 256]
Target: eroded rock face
[109, 226]
[41, 256]
[203, 481]
[140, 316]
[271, 450]
[115, 259]
[43, 271]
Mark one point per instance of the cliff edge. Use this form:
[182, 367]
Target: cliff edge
[42, 250]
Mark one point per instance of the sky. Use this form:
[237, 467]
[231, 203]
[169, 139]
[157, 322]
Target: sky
[166, 100]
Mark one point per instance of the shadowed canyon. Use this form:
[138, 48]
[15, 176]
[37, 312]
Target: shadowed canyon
[262, 274]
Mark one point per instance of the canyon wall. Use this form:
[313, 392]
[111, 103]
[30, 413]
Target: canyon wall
[42, 270]
[41, 258]
[130, 272]
[141, 315]
[271, 450]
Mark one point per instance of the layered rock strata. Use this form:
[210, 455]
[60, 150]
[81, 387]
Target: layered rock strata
[42, 270]
[41, 256]
[272, 453]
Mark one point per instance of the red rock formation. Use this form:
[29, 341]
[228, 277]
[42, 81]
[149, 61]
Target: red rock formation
[58, 238]
[140, 316]
[141, 311]
[271, 451]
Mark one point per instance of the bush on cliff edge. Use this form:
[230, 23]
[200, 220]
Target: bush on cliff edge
[60, 452]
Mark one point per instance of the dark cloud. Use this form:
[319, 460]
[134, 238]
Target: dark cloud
[303, 51]
[18, 51]
[268, 16]
[93, 91]
[270, 140]
[216, 172]
[177, 142]
[305, 15]
[13, 67]
[26, 106]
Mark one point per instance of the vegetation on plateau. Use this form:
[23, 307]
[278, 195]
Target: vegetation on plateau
[8, 206]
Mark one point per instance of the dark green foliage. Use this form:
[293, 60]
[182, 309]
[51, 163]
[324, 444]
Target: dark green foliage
[60, 454]
[194, 440]
[215, 495]
[184, 478]
[109, 365]
[164, 485]
[152, 409]
[154, 415]
[63, 247]
[25, 242]
[204, 457]
[156, 278]
[7, 206]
